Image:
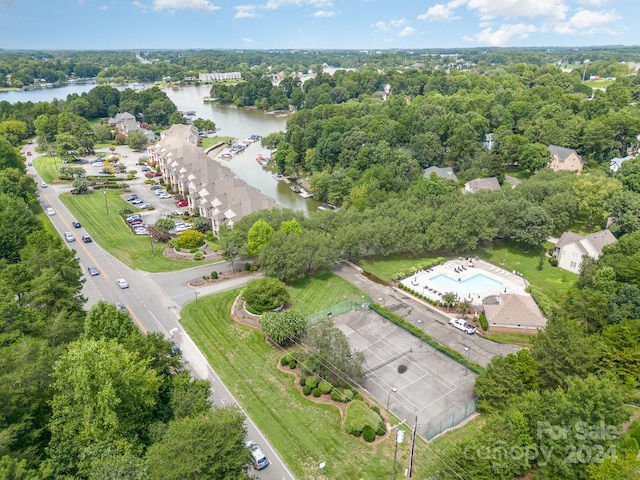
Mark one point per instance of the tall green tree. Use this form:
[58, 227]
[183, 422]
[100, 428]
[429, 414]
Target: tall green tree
[206, 446]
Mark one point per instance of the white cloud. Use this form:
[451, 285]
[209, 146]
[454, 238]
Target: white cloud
[245, 11]
[248, 41]
[587, 22]
[381, 26]
[199, 5]
[407, 31]
[103, 7]
[554, 10]
[398, 23]
[441, 12]
[273, 4]
[595, 3]
[324, 13]
[504, 33]
[140, 6]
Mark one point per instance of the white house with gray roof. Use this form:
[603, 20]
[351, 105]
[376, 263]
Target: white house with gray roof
[477, 184]
[211, 188]
[616, 163]
[572, 247]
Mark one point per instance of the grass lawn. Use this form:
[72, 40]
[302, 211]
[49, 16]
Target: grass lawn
[319, 292]
[553, 281]
[48, 168]
[386, 267]
[207, 142]
[111, 232]
[511, 338]
[304, 433]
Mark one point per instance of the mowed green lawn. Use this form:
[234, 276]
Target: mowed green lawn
[304, 433]
[319, 292]
[208, 141]
[386, 267]
[112, 233]
[48, 168]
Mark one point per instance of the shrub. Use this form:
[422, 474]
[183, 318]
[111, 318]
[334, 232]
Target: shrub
[341, 395]
[325, 387]
[306, 390]
[214, 275]
[357, 396]
[190, 239]
[302, 381]
[483, 322]
[253, 268]
[376, 409]
[284, 361]
[292, 364]
[553, 261]
[382, 429]
[265, 293]
[198, 255]
[358, 415]
[312, 381]
[247, 266]
[368, 434]
[316, 392]
[205, 277]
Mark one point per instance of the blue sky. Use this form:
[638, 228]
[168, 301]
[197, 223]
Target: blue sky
[319, 24]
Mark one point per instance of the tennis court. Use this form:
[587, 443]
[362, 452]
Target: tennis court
[403, 373]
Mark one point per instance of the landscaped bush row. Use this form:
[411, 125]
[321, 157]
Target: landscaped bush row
[544, 303]
[483, 322]
[392, 317]
[427, 264]
[433, 302]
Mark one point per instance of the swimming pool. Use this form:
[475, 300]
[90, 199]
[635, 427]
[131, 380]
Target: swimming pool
[475, 285]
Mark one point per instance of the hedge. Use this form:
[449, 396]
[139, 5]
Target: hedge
[358, 415]
[312, 381]
[483, 322]
[325, 387]
[368, 434]
[416, 332]
[428, 264]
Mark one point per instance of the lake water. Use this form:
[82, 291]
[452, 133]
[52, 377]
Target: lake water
[239, 123]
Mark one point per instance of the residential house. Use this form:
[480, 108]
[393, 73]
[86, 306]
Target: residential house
[616, 163]
[564, 159]
[124, 122]
[512, 311]
[477, 184]
[441, 172]
[211, 188]
[572, 247]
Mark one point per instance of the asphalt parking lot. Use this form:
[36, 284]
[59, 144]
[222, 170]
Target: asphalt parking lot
[411, 378]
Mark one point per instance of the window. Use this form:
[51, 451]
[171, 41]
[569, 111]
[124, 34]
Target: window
[573, 264]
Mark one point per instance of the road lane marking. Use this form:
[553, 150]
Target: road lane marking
[138, 322]
[84, 247]
[158, 322]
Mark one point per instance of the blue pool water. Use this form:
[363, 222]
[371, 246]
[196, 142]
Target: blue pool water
[475, 285]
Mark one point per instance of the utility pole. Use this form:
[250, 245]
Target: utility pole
[413, 446]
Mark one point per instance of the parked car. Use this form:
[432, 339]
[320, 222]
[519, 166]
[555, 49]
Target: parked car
[144, 206]
[122, 283]
[76, 224]
[463, 325]
[121, 306]
[182, 228]
[156, 187]
[93, 271]
[87, 239]
[133, 218]
[69, 237]
[28, 154]
[133, 196]
[182, 203]
[136, 201]
[44, 185]
[177, 213]
[260, 460]
[50, 211]
[164, 196]
[30, 163]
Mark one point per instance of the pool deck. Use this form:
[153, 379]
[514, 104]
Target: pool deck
[462, 269]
